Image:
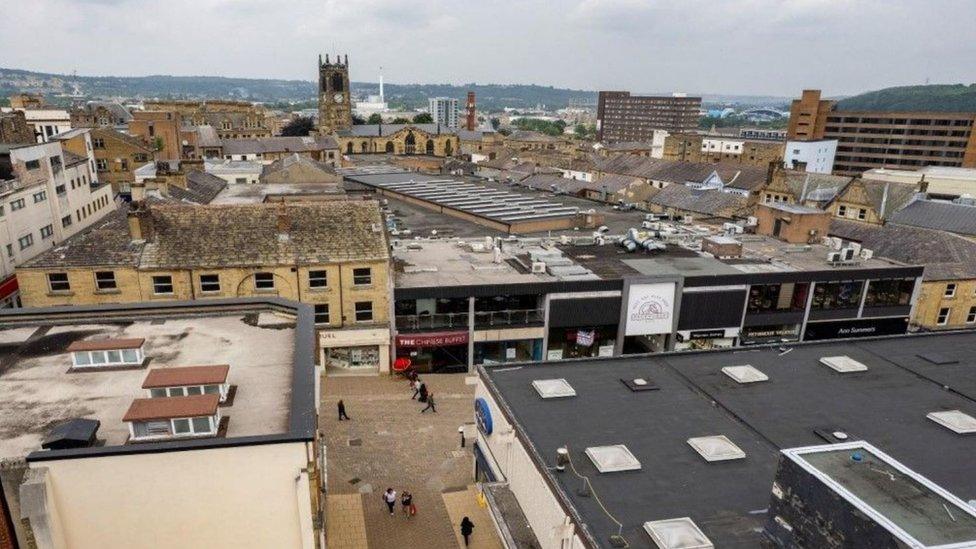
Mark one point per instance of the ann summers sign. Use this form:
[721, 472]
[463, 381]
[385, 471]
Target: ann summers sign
[650, 309]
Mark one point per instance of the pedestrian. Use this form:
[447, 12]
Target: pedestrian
[409, 509]
[430, 404]
[415, 385]
[390, 497]
[466, 528]
[342, 411]
[422, 392]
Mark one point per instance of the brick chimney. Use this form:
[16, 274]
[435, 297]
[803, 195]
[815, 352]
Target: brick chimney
[470, 122]
[140, 221]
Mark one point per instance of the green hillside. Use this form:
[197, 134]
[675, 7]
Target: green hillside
[938, 98]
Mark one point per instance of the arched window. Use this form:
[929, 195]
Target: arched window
[389, 147]
[349, 147]
[363, 146]
[337, 83]
[411, 143]
[430, 146]
[448, 148]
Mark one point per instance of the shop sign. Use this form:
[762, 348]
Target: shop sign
[482, 415]
[510, 353]
[855, 328]
[760, 334]
[554, 354]
[650, 309]
[606, 350]
[434, 339]
[706, 334]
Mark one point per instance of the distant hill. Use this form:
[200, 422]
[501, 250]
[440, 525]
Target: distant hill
[63, 89]
[937, 98]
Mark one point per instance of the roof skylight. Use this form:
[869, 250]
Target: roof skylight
[677, 533]
[716, 448]
[744, 374]
[553, 388]
[843, 364]
[611, 459]
[955, 420]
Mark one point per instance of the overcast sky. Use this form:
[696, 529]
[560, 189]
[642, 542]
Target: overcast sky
[773, 47]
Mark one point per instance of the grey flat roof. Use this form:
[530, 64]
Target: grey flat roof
[800, 405]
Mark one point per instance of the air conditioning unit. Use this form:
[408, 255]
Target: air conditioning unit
[856, 247]
[752, 221]
[866, 254]
[833, 257]
[732, 228]
[836, 243]
[539, 267]
[687, 219]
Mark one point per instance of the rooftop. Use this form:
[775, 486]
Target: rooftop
[803, 403]
[931, 214]
[40, 389]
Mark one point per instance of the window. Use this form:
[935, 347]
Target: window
[209, 283]
[837, 295]
[950, 290]
[124, 165]
[162, 284]
[32, 164]
[101, 164]
[862, 213]
[842, 211]
[362, 276]
[17, 204]
[26, 241]
[10, 250]
[943, 317]
[58, 282]
[364, 311]
[771, 298]
[889, 293]
[318, 279]
[60, 189]
[322, 313]
[264, 281]
[98, 143]
[971, 316]
[105, 280]
[47, 231]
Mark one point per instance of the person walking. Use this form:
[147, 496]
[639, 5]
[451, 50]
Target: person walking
[415, 385]
[342, 411]
[422, 391]
[466, 528]
[430, 404]
[409, 509]
[390, 498]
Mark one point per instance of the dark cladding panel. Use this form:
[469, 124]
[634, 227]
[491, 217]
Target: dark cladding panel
[592, 311]
[701, 310]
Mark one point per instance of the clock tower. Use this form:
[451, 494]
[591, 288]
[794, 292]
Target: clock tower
[335, 109]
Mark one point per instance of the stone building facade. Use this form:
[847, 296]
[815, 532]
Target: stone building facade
[399, 139]
[117, 156]
[231, 119]
[708, 148]
[14, 128]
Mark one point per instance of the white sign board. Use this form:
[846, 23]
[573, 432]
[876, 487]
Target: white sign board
[650, 309]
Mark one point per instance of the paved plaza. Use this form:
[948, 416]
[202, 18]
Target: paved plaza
[389, 443]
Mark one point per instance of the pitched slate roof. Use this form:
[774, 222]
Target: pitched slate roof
[262, 145]
[532, 136]
[201, 188]
[111, 133]
[817, 187]
[946, 216]
[946, 256]
[105, 243]
[736, 176]
[892, 195]
[615, 182]
[285, 164]
[373, 130]
[554, 182]
[711, 202]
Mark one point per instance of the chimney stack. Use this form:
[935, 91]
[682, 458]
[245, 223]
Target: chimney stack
[140, 221]
[470, 108]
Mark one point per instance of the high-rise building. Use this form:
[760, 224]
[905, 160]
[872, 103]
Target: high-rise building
[880, 139]
[444, 111]
[335, 110]
[624, 117]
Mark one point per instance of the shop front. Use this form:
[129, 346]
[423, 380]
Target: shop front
[583, 325]
[864, 327]
[508, 345]
[710, 317]
[773, 333]
[355, 351]
[650, 316]
[581, 342]
[435, 352]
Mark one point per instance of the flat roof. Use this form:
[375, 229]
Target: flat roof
[801, 404]
[186, 375]
[148, 409]
[264, 341]
[257, 193]
[426, 263]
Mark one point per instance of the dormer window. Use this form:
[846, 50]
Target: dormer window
[166, 418]
[106, 353]
[187, 381]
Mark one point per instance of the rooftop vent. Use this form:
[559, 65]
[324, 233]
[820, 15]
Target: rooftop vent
[678, 533]
[938, 359]
[843, 364]
[716, 448]
[611, 459]
[955, 420]
[744, 374]
[553, 388]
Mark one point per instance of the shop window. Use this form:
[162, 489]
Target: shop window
[209, 283]
[264, 281]
[889, 293]
[105, 280]
[770, 298]
[322, 313]
[943, 317]
[162, 284]
[364, 311]
[318, 279]
[837, 295]
[362, 276]
[950, 290]
[58, 282]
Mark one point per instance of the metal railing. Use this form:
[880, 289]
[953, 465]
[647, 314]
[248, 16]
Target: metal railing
[432, 322]
[518, 317]
[482, 319]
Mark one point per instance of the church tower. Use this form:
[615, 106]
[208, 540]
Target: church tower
[335, 108]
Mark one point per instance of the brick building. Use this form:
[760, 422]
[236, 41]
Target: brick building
[624, 117]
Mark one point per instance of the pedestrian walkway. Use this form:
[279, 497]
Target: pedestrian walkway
[464, 503]
[345, 528]
[389, 443]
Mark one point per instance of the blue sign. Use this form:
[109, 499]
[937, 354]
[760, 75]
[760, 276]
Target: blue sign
[482, 414]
